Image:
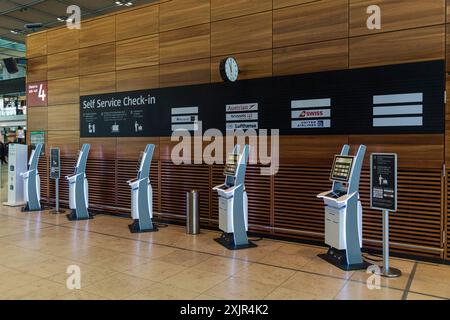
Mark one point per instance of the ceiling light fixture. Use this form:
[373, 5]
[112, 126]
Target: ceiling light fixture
[124, 3]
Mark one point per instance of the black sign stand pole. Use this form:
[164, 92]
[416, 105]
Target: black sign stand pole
[387, 271]
[55, 174]
[383, 196]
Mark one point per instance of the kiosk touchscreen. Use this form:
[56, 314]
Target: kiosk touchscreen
[32, 181]
[343, 212]
[78, 188]
[233, 202]
[142, 195]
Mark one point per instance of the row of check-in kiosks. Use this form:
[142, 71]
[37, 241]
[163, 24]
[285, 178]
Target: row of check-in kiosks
[343, 210]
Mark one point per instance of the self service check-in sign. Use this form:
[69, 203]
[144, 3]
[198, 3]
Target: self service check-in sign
[383, 181]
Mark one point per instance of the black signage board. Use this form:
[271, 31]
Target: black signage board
[396, 99]
[55, 167]
[383, 181]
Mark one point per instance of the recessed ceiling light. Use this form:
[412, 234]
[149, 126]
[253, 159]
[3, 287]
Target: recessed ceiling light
[16, 31]
[124, 3]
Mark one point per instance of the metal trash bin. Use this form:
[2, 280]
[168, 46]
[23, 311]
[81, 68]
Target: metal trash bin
[192, 213]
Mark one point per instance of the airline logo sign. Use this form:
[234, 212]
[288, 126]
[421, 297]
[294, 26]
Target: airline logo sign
[241, 116]
[316, 111]
[308, 114]
[242, 107]
[303, 124]
[185, 118]
[398, 110]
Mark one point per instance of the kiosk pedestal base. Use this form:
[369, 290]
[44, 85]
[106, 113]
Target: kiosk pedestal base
[135, 228]
[338, 258]
[227, 240]
[57, 211]
[72, 216]
[27, 209]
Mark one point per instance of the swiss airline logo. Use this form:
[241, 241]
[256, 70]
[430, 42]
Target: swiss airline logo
[309, 114]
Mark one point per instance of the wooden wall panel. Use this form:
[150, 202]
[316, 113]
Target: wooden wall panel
[322, 56]
[64, 91]
[62, 39]
[63, 65]
[98, 59]
[225, 9]
[396, 15]
[185, 44]
[64, 117]
[137, 23]
[447, 47]
[417, 151]
[98, 31]
[36, 45]
[256, 64]
[101, 148]
[37, 119]
[137, 52]
[255, 33]
[37, 69]
[398, 47]
[137, 79]
[67, 141]
[310, 150]
[185, 73]
[98, 83]
[131, 148]
[287, 3]
[178, 14]
[311, 22]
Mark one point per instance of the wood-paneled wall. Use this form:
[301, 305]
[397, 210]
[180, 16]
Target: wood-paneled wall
[181, 42]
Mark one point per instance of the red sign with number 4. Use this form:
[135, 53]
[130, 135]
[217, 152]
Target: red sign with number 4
[37, 94]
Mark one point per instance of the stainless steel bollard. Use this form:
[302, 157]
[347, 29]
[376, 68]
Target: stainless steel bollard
[192, 213]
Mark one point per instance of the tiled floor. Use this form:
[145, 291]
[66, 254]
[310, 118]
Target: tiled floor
[37, 248]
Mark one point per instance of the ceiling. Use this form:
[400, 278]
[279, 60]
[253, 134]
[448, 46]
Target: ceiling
[14, 14]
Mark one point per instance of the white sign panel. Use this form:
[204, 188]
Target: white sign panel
[242, 116]
[242, 125]
[307, 114]
[307, 124]
[241, 107]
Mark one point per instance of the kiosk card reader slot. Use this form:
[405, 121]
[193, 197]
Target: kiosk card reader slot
[32, 182]
[233, 202]
[142, 195]
[78, 188]
[343, 212]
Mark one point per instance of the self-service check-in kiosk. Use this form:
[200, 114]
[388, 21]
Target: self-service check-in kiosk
[78, 188]
[142, 195]
[233, 202]
[343, 212]
[32, 182]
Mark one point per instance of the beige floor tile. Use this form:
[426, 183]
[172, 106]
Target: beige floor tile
[118, 286]
[185, 258]
[205, 297]
[222, 265]
[42, 289]
[195, 280]
[89, 275]
[80, 295]
[359, 291]
[11, 279]
[432, 279]
[161, 291]
[23, 259]
[240, 289]
[293, 261]
[155, 270]
[121, 262]
[288, 294]
[320, 266]
[46, 268]
[265, 274]
[417, 296]
[325, 287]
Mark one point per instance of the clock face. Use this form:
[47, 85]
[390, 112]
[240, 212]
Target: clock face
[231, 69]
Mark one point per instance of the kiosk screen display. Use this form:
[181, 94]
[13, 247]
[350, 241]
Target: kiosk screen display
[230, 165]
[342, 168]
